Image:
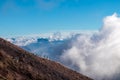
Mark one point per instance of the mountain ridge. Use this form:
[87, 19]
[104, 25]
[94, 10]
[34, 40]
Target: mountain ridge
[18, 64]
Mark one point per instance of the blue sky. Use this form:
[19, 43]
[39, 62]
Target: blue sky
[25, 17]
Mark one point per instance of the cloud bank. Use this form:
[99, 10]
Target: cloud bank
[95, 54]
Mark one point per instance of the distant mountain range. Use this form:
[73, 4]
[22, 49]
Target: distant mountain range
[18, 64]
[45, 46]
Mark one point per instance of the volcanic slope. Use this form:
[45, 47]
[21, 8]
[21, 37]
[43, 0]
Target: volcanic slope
[18, 64]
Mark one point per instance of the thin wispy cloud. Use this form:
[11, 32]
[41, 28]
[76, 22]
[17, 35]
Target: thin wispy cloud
[40, 4]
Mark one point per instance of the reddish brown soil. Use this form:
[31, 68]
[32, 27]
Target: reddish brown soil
[18, 64]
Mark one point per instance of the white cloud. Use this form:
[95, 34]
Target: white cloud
[22, 41]
[98, 55]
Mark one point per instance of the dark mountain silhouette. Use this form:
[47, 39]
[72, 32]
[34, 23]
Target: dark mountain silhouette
[18, 64]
